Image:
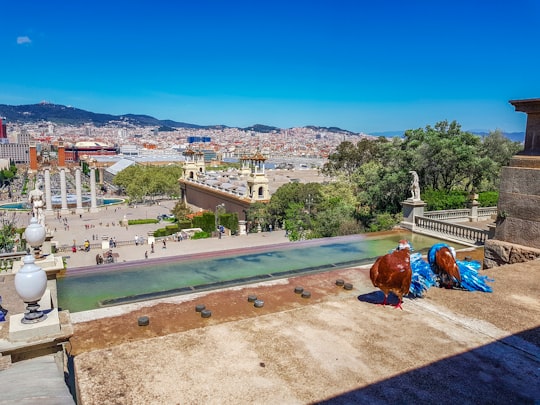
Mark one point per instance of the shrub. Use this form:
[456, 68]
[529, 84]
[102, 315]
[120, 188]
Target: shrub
[172, 228]
[184, 224]
[168, 230]
[206, 221]
[201, 235]
[488, 198]
[440, 200]
[384, 222]
[142, 221]
[229, 221]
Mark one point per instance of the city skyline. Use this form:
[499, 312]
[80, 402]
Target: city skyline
[356, 65]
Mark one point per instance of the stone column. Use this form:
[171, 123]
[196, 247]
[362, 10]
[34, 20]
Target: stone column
[517, 237]
[93, 200]
[242, 227]
[473, 207]
[79, 209]
[63, 192]
[532, 133]
[48, 194]
[100, 175]
[411, 208]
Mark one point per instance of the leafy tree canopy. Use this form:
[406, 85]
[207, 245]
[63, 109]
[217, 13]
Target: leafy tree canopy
[143, 182]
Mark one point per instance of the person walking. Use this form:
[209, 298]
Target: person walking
[146, 254]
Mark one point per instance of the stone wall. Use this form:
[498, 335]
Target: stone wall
[499, 253]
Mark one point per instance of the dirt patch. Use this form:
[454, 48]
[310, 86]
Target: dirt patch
[226, 305]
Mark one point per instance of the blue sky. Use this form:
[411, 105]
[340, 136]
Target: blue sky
[360, 65]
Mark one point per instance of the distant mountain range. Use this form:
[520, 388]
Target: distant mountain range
[61, 114]
[67, 115]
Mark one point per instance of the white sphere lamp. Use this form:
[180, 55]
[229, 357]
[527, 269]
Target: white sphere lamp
[35, 234]
[30, 284]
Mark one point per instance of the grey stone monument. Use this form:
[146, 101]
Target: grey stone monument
[516, 237]
[413, 206]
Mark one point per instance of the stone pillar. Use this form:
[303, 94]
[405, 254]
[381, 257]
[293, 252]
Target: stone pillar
[61, 155]
[33, 163]
[517, 232]
[242, 227]
[532, 133]
[93, 200]
[100, 175]
[79, 209]
[411, 208]
[473, 208]
[48, 194]
[63, 192]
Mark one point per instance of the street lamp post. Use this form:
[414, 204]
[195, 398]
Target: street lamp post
[218, 207]
[31, 280]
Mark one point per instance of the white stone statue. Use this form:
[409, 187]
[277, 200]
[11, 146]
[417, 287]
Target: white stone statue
[415, 187]
[35, 197]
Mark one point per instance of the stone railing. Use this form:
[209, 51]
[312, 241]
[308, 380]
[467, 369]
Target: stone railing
[455, 231]
[461, 214]
[448, 215]
[7, 259]
[487, 212]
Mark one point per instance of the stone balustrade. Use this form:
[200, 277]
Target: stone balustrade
[448, 215]
[7, 260]
[461, 214]
[464, 233]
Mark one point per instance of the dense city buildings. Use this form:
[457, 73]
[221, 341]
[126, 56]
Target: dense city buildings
[3, 130]
[304, 145]
[111, 148]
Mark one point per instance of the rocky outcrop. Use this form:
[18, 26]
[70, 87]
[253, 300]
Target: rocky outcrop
[498, 253]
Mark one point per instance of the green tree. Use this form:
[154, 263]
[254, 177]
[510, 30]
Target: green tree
[336, 210]
[348, 157]
[297, 222]
[258, 214]
[496, 150]
[181, 211]
[143, 182]
[8, 234]
[444, 156]
[7, 175]
[305, 194]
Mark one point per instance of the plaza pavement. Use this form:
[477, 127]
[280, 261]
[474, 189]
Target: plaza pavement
[106, 224]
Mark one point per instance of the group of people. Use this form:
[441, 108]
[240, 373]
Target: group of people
[107, 257]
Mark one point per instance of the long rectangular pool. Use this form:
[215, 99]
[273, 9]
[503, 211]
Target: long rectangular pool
[140, 281]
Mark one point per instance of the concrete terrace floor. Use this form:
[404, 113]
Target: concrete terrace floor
[336, 347]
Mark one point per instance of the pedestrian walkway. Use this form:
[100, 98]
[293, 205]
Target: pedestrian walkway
[105, 224]
[36, 381]
[132, 252]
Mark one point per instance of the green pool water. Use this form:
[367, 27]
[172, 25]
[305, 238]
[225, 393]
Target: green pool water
[150, 280]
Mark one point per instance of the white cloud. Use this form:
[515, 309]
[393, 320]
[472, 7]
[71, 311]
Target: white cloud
[23, 40]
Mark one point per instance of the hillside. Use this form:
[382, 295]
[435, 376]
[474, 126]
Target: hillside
[64, 115]
[67, 115]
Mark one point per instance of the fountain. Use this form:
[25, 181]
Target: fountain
[57, 203]
[91, 288]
